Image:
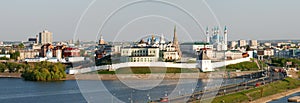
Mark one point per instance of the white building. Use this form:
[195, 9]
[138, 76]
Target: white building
[269, 52]
[193, 48]
[140, 54]
[170, 54]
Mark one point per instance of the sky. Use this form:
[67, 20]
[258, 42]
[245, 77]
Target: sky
[130, 20]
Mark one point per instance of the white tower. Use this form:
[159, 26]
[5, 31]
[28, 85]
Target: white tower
[207, 35]
[218, 35]
[204, 63]
[225, 35]
[162, 39]
[225, 41]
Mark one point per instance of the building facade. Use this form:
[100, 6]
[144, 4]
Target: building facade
[28, 54]
[242, 43]
[140, 54]
[45, 37]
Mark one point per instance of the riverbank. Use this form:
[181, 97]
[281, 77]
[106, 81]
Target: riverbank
[276, 96]
[10, 75]
[158, 76]
[264, 93]
[143, 76]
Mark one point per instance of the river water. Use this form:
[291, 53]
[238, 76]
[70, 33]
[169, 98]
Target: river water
[19, 91]
[285, 99]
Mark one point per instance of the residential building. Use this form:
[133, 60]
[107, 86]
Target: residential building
[71, 52]
[233, 44]
[242, 43]
[253, 44]
[28, 54]
[45, 37]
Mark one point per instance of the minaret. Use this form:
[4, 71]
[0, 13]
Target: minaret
[225, 35]
[176, 43]
[218, 35]
[162, 39]
[207, 35]
[225, 39]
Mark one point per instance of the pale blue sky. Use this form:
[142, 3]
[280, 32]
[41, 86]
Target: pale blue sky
[246, 19]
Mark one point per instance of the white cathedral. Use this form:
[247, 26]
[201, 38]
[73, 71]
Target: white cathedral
[218, 40]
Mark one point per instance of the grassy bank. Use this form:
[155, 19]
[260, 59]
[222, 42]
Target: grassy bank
[146, 70]
[262, 91]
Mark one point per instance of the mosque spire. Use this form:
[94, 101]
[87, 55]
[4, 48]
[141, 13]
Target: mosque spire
[207, 35]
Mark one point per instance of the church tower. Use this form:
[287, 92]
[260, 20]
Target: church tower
[176, 43]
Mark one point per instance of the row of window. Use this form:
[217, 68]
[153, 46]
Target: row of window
[140, 59]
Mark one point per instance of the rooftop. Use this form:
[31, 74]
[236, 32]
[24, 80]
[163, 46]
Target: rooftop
[195, 43]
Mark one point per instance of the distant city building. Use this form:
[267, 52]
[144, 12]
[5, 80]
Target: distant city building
[242, 43]
[140, 54]
[253, 43]
[59, 51]
[269, 52]
[190, 49]
[103, 49]
[152, 49]
[170, 54]
[28, 54]
[71, 52]
[45, 37]
[46, 51]
[267, 44]
[233, 44]
[33, 40]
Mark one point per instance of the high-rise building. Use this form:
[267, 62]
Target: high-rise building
[253, 43]
[242, 43]
[45, 37]
[233, 44]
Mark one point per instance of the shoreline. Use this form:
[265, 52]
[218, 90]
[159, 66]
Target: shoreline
[276, 96]
[142, 76]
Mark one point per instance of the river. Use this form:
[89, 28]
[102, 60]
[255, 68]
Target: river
[285, 99]
[14, 90]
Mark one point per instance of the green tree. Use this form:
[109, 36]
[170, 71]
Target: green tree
[45, 71]
[15, 55]
[4, 58]
[21, 46]
[2, 67]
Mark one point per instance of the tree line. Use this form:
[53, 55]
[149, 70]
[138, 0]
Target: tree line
[45, 71]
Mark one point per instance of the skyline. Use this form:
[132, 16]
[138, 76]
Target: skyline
[270, 19]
